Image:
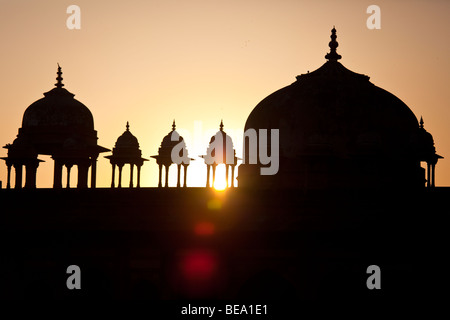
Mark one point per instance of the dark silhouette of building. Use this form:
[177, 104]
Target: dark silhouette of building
[126, 151]
[60, 126]
[423, 149]
[220, 151]
[172, 146]
[338, 130]
[306, 234]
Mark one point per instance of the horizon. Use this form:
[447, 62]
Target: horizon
[203, 61]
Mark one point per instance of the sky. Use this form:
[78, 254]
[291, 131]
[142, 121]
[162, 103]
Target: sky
[200, 61]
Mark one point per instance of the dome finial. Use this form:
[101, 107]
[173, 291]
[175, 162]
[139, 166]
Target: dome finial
[333, 55]
[221, 124]
[128, 126]
[59, 79]
[421, 123]
[173, 125]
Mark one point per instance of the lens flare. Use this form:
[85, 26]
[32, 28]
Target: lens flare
[199, 265]
[204, 229]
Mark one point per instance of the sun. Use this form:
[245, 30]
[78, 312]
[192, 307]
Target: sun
[220, 182]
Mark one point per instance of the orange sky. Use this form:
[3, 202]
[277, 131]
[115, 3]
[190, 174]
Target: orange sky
[151, 61]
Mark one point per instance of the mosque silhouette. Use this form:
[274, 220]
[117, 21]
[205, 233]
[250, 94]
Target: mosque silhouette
[350, 157]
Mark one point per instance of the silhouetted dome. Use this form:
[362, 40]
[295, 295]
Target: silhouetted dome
[168, 143]
[218, 153]
[422, 143]
[59, 126]
[127, 145]
[58, 108]
[336, 107]
[126, 150]
[335, 113]
[49, 122]
[127, 140]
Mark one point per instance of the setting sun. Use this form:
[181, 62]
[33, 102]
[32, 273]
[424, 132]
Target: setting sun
[220, 182]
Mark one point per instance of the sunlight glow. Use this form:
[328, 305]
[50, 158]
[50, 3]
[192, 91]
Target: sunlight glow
[220, 182]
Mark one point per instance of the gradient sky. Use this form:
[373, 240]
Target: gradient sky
[150, 61]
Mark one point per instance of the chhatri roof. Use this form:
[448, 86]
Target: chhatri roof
[168, 143]
[220, 146]
[126, 149]
[58, 108]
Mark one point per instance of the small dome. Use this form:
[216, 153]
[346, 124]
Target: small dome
[218, 154]
[422, 143]
[169, 142]
[127, 140]
[171, 139]
[126, 150]
[127, 145]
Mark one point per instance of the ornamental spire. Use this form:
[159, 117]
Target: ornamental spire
[221, 125]
[421, 123]
[59, 79]
[173, 125]
[128, 126]
[333, 55]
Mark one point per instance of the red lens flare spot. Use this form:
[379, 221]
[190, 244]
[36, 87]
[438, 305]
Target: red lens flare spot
[204, 229]
[199, 265]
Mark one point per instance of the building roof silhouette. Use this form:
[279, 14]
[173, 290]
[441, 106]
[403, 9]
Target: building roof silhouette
[168, 155]
[60, 126]
[127, 147]
[217, 151]
[246, 243]
[126, 151]
[58, 111]
[337, 129]
[168, 143]
[220, 151]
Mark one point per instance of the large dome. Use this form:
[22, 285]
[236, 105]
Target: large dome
[59, 126]
[58, 108]
[49, 122]
[336, 128]
[336, 107]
